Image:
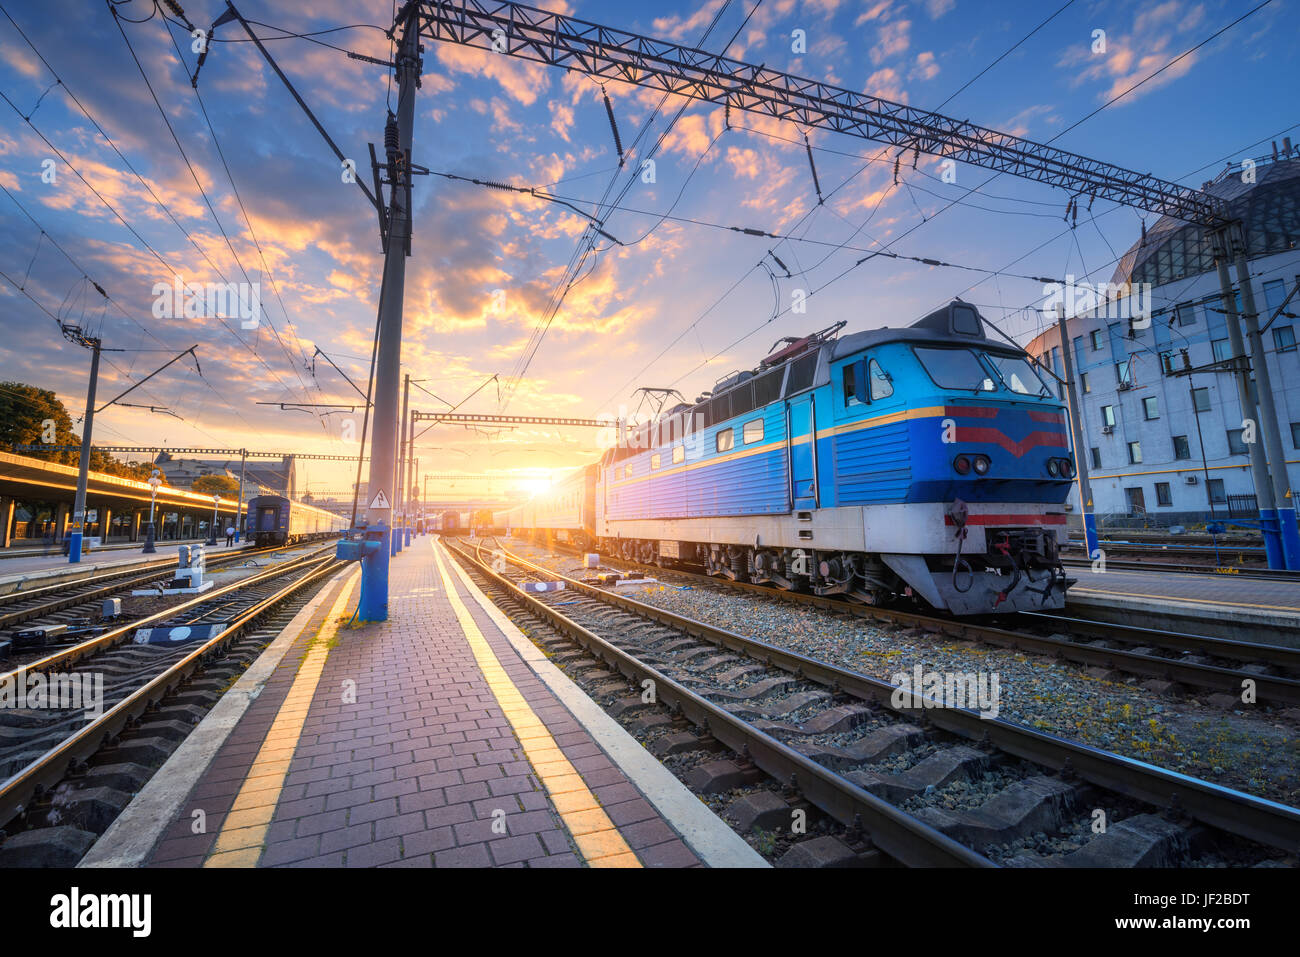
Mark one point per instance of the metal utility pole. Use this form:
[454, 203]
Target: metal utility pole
[408, 486]
[1205, 465]
[1268, 426]
[399, 502]
[239, 505]
[75, 334]
[1078, 440]
[373, 605]
[1240, 365]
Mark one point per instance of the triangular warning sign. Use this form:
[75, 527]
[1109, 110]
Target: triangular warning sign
[380, 500]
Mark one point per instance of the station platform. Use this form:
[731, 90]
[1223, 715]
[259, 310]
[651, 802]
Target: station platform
[442, 737]
[1220, 604]
[30, 571]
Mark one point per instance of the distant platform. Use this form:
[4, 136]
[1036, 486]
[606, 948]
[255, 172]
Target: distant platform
[1252, 609]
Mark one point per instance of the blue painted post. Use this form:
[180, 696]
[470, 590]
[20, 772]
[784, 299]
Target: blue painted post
[373, 605]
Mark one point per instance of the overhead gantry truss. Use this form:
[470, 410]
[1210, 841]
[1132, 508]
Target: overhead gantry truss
[606, 53]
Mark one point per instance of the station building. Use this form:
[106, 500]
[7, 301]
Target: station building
[1165, 449]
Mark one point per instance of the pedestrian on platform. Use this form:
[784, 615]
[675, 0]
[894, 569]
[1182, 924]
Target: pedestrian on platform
[230, 535]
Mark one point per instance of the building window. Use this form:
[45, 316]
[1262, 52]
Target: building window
[1135, 453]
[1201, 399]
[1163, 496]
[1151, 407]
[1087, 387]
[655, 460]
[725, 442]
[1274, 293]
[627, 470]
[1222, 349]
[1295, 435]
[1284, 338]
[1235, 445]
[1108, 415]
[1216, 491]
[1186, 315]
[1096, 339]
[753, 431]
[1122, 372]
[679, 453]
[1096, 457]
[1182, 449]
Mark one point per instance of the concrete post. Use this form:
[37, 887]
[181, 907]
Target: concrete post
[1078, 441]
[83, 463]
[1268, 426]
[1258, 466]
[373, 605]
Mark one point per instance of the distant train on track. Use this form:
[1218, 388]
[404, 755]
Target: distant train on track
[276, 520]
[928, 463]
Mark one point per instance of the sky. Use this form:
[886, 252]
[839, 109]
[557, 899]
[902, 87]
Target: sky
[231, 182]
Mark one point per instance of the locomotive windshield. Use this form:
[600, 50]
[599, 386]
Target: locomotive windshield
[1019, 375]
[955, 369]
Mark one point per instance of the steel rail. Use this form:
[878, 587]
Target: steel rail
[46, 771]
[1280, 655]
[116, 635]
[895, 832]
[106, 583]
[1235, 812]
[1283, 692]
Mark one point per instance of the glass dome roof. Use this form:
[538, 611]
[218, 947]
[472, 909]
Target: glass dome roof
[1269, 209]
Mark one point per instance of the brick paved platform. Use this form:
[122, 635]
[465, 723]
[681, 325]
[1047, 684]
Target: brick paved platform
[438, 738]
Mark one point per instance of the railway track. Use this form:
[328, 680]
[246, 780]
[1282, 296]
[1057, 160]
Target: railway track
[1215, 665]
[66, 772]
[1252, 572]
[921, 786]
[20, 607]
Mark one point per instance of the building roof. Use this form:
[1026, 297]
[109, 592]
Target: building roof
[1269, 209]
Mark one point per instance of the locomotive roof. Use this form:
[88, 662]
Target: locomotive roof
[956, 324]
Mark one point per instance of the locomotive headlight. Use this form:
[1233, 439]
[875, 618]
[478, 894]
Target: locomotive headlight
[982, 464]
[1067, 468]
[961, 464]
[1053, 467]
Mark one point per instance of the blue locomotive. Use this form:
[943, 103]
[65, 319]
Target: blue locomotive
[929, 462]
[276, 520]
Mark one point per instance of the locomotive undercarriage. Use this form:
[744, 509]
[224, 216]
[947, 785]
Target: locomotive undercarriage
[1021, 571]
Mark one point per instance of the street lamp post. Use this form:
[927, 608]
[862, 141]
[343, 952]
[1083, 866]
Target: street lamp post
[212, 529]
[154, 482]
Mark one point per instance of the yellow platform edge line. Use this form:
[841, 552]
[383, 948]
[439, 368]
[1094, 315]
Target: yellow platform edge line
[596, 836]
[242, 836]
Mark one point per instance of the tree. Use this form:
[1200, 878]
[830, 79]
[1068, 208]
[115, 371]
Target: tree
[214, 483]
[32, 416]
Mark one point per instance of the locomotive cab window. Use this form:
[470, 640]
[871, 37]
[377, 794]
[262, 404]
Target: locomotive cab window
[865, 378]
[753, 431]
[725, 442]
[679, 453]
[882, 384]
[1019, 375]
[854, 387]
[955, 369]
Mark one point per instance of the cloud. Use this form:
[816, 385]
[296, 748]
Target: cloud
[926, 68]
[1133, 55]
